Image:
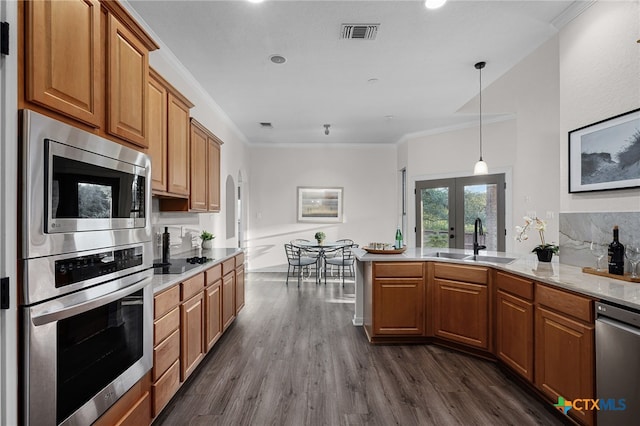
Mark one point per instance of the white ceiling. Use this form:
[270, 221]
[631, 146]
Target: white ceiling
[423, 61]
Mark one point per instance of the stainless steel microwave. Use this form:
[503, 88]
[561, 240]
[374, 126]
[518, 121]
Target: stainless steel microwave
[81, 191]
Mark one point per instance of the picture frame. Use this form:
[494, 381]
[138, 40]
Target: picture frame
[320, 204]
[605, 155]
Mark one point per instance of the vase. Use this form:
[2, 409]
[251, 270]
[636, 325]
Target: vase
[545, 255]
[207, 244]
[320, 242]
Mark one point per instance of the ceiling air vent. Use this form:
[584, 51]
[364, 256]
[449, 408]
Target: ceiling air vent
[266, 125]
[359, 31]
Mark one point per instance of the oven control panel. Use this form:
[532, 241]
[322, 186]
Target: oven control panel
[77, 269]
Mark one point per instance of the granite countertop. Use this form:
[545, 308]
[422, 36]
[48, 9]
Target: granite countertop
[164, 281]
[556, 274]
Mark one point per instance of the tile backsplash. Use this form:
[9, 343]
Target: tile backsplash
[577, 230]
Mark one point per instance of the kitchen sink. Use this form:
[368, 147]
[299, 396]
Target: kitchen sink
[451, 255]
[493, 259]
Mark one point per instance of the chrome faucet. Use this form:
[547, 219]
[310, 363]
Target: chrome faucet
[477, 230]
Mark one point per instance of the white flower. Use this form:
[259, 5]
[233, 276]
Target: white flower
[541, 225]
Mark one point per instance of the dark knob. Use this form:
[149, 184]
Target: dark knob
[452, 236]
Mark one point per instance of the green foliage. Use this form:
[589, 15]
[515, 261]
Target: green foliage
[206, 236]
[320, 236]
[438, 240]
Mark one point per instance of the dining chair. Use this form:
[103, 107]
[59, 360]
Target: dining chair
[296, 260]
[343, 259]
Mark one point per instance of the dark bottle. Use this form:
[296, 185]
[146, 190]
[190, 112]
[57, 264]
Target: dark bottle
[165, 245]
[616, 255]
[399, 242]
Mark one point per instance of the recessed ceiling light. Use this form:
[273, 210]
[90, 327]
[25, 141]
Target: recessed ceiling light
[389, 117]
[277, 59]
[256, 1]
[434, 4]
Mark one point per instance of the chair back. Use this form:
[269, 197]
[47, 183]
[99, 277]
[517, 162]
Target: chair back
[293, 253]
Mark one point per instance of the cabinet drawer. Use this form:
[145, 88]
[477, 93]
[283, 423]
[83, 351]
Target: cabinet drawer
[166, 301]
[165, 354]
[139, 414]
[469, 274]
[568, 303]
[228, 266]
[239, 259]
[192, 286]
[398, 269]
[164, 326]
[213, 274]
[515, 285]
[165, 387]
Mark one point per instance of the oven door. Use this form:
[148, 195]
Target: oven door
[83, 351]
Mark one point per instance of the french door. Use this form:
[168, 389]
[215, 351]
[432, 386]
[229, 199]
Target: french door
[446, 210]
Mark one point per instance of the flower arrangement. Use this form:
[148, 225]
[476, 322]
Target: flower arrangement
[540, 226]
[320, 236]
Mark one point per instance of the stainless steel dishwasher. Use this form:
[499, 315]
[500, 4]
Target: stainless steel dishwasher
[617, 365]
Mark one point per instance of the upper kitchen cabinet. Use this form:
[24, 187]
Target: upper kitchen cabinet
[205, 169]
[86, 62]
[169, 130]
[64, 58]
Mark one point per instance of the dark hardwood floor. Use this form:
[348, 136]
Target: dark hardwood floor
[292, 357]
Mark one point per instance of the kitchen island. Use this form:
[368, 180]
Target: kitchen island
[536, 319]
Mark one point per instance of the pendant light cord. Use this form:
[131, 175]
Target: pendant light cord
[480, 113]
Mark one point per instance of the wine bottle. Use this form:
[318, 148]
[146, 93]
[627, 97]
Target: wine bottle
[398, 239]
[616, 255]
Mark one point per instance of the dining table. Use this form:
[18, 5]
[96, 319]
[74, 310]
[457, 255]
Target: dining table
[321, 248]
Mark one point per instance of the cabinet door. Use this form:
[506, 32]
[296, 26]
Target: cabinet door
[239, 289]
[514, 333]
[564, 360]
[213, 316]
[157, 122]
[213, 177]
[460, 312]
[228, 300]
[127, 76]
[398, 306]
[191, 334]
[199, 170]
[178, 146]
[64, 57]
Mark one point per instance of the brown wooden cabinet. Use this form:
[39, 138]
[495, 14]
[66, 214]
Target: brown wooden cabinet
[64, 58]
[205, 169]
[514, 323]
[239, 288]
[213, 306]
[168, 117]
[191, 324]
[398, 299]
[127, 73]
[132, 409]
[461, 304]
[165, 375]
[228, 293]
[564, 348]
[86, 62]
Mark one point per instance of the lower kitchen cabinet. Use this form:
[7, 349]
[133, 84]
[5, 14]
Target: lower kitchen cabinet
[132, 409]
[461, 304]
[564, 357]
[192, 334]
[239, 288]
[228, 293]
[213, 315]
[398, 299]
[514, 323]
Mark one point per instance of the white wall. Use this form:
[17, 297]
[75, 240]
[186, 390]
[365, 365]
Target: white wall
[599, 78]
[367, 173]
[525, 148]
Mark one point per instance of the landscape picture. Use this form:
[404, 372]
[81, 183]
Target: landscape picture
[319, 204]
[605, 155]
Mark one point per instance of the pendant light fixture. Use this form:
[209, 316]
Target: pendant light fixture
[481, 167]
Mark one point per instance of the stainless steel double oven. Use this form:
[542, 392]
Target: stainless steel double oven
[86, 296]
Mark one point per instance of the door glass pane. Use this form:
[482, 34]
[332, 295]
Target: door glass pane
[435, 217]
[481, 201]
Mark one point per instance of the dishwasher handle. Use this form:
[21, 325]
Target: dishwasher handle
[624, 315]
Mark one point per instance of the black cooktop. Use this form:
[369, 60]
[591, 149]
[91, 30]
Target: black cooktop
[179, 266]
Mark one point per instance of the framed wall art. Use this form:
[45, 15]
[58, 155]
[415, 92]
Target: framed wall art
[605, 155]
[319, 205]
